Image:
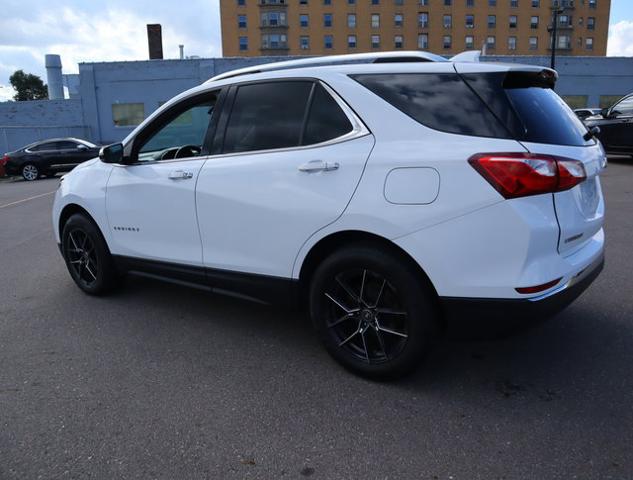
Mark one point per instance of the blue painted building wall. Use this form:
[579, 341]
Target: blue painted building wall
[152, 82]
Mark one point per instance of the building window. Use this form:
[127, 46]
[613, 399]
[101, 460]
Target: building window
[375, 20]
[564, 41]
[274, 19]
[241, 21]
[492, 3]
[327, 19]
[398, 41]
[448, 3]
[512, 43]
[351, 2]
[424, 3]
[375, 41]
[304, 20]
[328, 42]
[351, 20]
[398, 2]
[128, 114]
[351, 41]
[470, 41]
[448, 21]
[243, 44]
[514, 3]
[327, 2]
[513, 21]
[423, 20]
[589, 43]
[274, 41]
[470, 3]
[301, 2]
[533, 43]
[591, 23]
[304, 42]
[592, 3]
[375, 2]
[470, 21]
[534, 21]
[423, 41]
[491, 41]
[398, 20]
[447, 42]
[536, 3]
[241, 3]
[492, 21]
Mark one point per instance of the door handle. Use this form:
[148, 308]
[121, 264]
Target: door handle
[318, 166]
[180, 175]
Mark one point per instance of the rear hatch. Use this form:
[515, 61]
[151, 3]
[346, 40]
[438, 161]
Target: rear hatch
[523, 99]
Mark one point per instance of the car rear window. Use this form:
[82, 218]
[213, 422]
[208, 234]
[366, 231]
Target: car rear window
[500, 105]
[531, 109]
[440, 101]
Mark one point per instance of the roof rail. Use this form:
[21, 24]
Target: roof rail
[379, 57]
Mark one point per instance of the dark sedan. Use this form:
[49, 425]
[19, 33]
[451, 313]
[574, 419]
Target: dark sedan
[616, 126]
[48, 157]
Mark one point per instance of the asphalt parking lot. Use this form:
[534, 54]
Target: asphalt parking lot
[159, 381]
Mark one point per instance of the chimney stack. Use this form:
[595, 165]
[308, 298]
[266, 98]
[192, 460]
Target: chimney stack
[155, 41]
[54, 77]
[182, 51]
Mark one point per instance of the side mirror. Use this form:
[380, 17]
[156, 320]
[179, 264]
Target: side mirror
[604, 112]
[112, 153]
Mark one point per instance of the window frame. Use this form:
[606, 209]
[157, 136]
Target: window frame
[359, 129]
[154, 125]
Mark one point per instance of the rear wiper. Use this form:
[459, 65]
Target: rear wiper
[591, 133]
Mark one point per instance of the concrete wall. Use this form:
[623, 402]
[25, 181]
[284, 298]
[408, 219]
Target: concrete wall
[22, 123]
[594, 77]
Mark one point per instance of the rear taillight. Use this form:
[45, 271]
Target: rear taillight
[522, 174]
[4, 159]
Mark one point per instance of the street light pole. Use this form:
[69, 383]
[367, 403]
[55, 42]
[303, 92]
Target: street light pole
[556, 11]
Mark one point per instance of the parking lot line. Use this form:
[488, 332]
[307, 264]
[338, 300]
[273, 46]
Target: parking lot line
[26, 199]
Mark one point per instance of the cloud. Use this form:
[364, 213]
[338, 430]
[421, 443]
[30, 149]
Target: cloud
[621, 39]
[98, 31]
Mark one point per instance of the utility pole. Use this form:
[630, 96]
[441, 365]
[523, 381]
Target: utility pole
[556, 11]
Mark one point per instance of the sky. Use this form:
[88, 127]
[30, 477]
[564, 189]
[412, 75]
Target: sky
[97, 30]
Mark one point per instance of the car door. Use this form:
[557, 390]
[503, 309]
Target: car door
[622, 133]
[150, 202]
[69, 155]
[289, 155]
[45, 156]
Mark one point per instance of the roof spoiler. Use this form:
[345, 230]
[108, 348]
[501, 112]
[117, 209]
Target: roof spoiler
[355, 58]
[467, 56]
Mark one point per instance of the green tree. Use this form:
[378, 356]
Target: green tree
[28, 86]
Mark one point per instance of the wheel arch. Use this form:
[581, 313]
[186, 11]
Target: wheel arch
[334, 241]
[71, 209]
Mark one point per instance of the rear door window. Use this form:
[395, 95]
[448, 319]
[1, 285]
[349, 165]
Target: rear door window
[267, 116]
[326, 120]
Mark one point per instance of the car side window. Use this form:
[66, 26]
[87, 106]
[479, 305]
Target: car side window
[181, 134]
[44, 147]
[625, 107]
[267, 116]
[66, 145]
[326, 120]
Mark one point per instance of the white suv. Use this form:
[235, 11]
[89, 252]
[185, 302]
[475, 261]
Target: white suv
[390, 193]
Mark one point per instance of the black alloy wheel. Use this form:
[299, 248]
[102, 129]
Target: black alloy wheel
[374, 311]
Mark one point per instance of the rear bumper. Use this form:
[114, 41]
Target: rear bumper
[489, 315]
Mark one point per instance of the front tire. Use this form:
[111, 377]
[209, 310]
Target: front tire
[87, 256]
[30, 172]
[373, 311]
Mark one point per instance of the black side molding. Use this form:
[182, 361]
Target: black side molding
[261, 288]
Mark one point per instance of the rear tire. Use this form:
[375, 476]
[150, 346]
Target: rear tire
[87, 256]
[29, 172]
[373, 311]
